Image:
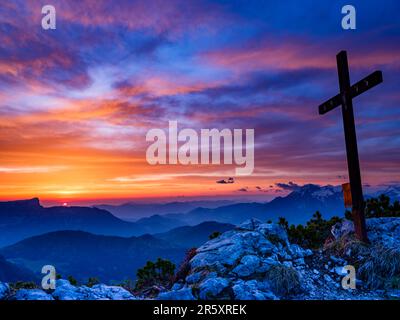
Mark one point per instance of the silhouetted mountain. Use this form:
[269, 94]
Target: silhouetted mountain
[10, 272]
[23, 219]
[85, 255]
[26, 218]
[297, 207]
[156, 224]
[193, 236]
[134, 211]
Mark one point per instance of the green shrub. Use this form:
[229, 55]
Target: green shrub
[92, 281]
[275, 239]
[313, 234]
[159, 273]
[283, 223]
[127, 284]
[72, 280]
[214, 235]
[23, 285]
[393, 283]
[381, 207]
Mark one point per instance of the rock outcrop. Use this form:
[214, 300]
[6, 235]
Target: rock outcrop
[256, 261]
[65, 291]
[4, 291]
[253, 261]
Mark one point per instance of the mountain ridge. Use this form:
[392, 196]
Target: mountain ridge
[83, 254]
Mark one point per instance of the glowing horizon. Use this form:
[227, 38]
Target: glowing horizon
[76, 102]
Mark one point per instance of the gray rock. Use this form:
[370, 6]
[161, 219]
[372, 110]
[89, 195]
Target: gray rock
[296, 251]
[299, 261]
[266, 264]
[249, 225]
[272, 229]
[385, 231]
[229, 248]
[394, 294]
[4, 290]
[111, 292]
[341, 229]
[308, 252]
[249, 265]
[177, 286]
[66, 291]
[181, 294]
[340, 271]
[336, 260]
[252, 290]
[327, 278]
[226, 252]
[32, 294]
[212, 287]
[194, 277]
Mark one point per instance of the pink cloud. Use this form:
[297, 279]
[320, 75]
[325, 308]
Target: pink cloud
[294, 54]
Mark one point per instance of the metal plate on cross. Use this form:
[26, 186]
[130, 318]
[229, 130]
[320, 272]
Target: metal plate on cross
[348, 202]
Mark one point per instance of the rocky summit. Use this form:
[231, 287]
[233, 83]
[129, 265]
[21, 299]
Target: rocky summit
[65, 291]
[256, 261]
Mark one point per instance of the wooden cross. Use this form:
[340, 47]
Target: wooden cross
[345, 98]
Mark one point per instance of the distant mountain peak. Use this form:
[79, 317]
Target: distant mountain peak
[392, 191]
[33, 203]
[316, 191]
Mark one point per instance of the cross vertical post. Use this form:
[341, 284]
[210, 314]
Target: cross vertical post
[345, 98]
[353, 164]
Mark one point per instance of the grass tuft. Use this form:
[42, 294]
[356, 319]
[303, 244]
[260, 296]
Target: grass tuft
[284, 281]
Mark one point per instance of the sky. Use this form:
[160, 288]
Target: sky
[76, 102]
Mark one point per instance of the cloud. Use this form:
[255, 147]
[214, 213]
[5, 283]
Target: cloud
[290, 186]
[292, 53]
[175, 17]
[171, 176]
[39, 169]
[243, 189]
[229, 180]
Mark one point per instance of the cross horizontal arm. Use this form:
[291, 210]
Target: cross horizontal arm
[365, 84]
[356, 89]
[330, 104]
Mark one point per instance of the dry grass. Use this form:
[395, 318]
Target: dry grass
[381, 267]
[284, 281]
[347, 246]
[378, 266]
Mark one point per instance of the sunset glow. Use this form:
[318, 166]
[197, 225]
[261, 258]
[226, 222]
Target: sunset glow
[76, 102]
